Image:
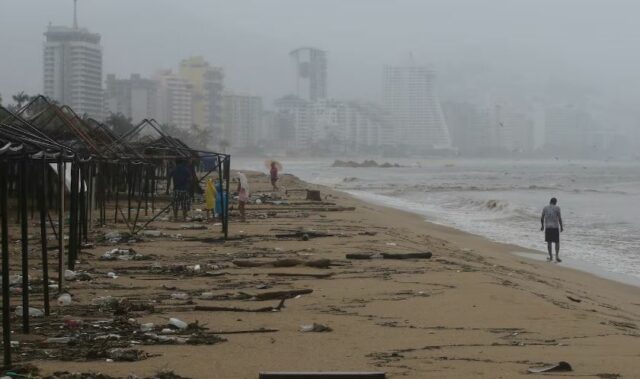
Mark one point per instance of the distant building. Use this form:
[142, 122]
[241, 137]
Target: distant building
[310, 67]
[206, 84]
[567, 129]
[514, 130]
[174, 100]
[411, 102]
[242, 120]
[136, 98]
[72, 69]
[328, 125]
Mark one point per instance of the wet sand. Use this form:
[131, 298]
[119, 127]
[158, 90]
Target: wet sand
[473, 309]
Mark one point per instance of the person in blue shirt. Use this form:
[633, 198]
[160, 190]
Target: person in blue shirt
[182, 178]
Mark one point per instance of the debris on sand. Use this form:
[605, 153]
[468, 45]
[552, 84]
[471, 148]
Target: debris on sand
[123, 255]
[315, 328]
[561, 366]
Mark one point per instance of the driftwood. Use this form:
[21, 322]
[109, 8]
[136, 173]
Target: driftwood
[319, 263]
[248, 331]
[317, 276]
[302, 234]
[279, 294]
[234, 309]
[359, 256]
[426, 255]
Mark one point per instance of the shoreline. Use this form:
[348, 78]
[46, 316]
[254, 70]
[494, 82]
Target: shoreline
[525, 252]
[516, 250]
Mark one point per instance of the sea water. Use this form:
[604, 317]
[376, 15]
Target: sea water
[503, 200]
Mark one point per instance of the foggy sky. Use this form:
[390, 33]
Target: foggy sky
[593, 43]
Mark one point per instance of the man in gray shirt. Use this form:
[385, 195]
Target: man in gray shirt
[551, 221]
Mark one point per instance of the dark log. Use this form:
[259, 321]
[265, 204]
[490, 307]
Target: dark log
[359, 256]
[426, 255]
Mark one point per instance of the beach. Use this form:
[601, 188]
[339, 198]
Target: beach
[475, 308]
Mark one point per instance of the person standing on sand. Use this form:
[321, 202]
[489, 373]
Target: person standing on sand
[274, 175]
[551, 221]
[181, 176]
[243, 195]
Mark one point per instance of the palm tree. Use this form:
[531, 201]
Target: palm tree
[20, 98]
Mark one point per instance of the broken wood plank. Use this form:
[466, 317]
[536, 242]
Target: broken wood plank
[322, 375]
[279, 294]
[293, 274]
[359, 256]
[234, 309]
[426, 255]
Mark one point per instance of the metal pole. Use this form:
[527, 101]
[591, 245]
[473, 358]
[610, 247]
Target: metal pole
[24, 227]
[61, 179]
[43, 236]
[73, 213]
[225, 206]
[6, 301]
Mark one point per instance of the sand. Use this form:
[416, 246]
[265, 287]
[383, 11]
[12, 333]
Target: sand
[474, 309]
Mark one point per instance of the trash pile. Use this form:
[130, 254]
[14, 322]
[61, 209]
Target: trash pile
[119, 254]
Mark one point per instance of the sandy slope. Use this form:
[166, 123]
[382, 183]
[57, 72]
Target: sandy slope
[472, 310]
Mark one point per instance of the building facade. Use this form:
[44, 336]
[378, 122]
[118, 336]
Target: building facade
[72, 68]
[411, 102]
[136, 98]
[174, 100]
[310, 68]
[206, 84]
[242, 120]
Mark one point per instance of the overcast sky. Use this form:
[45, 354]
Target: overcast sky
[595, 42]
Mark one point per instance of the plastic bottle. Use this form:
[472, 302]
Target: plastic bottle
[64, 299]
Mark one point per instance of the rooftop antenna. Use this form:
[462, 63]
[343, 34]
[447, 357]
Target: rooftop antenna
[75, 14]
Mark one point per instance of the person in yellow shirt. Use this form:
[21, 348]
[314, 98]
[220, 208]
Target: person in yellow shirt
[210, 194]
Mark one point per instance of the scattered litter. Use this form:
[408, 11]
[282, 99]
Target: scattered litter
[561, 366]
[392, 244]
[33, 312]
[262, 286]
[194, 226]
[207, 296]
[126, 355]
[64, 299]
[147, 327]
[315, 328]
[151, 233]
[180, 296]
[177, 323]
[574, 299]
[69, 275]
[112, 275]
[122, 255]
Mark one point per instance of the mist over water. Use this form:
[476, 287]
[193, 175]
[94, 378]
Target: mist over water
[503, 200]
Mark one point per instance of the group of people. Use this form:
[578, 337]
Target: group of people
[186, 185]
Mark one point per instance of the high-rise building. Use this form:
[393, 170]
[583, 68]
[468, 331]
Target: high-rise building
[206, 83]
[72, 68]
[310, 67]
[411, 102]
[136, 98]
[242, 120]
[174, 100]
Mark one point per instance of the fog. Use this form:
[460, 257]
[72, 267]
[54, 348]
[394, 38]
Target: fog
[523, 54]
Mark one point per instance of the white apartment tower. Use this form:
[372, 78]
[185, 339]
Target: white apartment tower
[310, 66]
[73, 69]
[413, 107]
[242, 119]
[174, 95]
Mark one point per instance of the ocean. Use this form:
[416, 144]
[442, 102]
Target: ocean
[503, 200]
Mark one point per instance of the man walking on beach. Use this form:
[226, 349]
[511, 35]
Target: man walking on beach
[551, 221]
